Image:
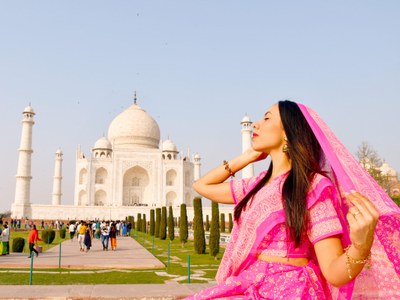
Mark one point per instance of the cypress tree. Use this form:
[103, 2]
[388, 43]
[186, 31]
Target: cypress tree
[133, 222]
[198, 227]
[207, 223]
[139, 222]
[230, 223]
[183, 226]
[158, 222]
[214, 230]
[171, 224]
[222, 223]
[163, 224]
[152, 222]
[144, 224]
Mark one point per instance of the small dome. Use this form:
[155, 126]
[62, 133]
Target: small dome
[29, 109]
[59, 151]
[246, 119]
[169, 146]
[133, 128]
[102, 143]
[196, 156]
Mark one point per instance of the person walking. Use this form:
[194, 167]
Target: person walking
[81, 235]
[71, 229]
[105, 235]
[113, 236]
[5, 239]
[32, 240]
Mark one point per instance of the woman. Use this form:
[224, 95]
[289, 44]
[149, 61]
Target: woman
[33, 237]
[301, 231]
[88, 237]
[113, 236]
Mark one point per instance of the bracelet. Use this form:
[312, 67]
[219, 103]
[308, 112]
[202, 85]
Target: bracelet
[226, 164]
[350, 260]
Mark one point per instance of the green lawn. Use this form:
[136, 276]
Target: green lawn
[202, 267]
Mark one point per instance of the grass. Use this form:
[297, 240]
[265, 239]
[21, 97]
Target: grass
[203, 267]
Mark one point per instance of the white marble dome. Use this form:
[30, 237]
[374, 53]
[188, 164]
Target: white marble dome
[169, 146]
[134, 128]
[102, 143]
[246, 119]
[29, 109]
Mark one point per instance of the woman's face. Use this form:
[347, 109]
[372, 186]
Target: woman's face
[268, 133]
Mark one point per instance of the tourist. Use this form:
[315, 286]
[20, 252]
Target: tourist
[5, 238]
[113, 236]
[301, 230]
[105, 235]
[81, 235]
[32, 240]
[88, 237]
[71, 229]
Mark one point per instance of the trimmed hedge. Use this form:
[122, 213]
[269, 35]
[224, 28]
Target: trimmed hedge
[48, 236]
[18, 244]
[62, 233]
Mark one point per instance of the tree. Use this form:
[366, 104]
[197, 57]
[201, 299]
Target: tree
[152, 225]
[214, 230]
[370, 161]
[163, 223]
[158, 222]
[171, 225]
[207, 223]
[144, 224]
[230, 226]
[183, 226]
[222, 223]
[198, 227]
[139, 222]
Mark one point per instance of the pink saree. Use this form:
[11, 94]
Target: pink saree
[242, 276]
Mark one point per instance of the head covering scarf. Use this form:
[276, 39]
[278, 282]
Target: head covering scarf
[382, 279]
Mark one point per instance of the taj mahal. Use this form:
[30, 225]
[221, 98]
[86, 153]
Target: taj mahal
[128, 172]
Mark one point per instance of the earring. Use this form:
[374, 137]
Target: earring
[285, 148]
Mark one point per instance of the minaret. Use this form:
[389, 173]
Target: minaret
[247, 131]
[23, 178]
[57, 178]
[197, 165]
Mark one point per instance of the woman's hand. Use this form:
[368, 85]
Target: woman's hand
[255, 155]
[362, 218]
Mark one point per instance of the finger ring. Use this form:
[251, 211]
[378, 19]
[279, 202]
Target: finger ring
[356, 213]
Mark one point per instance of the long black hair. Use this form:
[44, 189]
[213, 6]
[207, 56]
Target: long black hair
[306, 158]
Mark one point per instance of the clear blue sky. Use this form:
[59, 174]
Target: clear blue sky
[198, 67]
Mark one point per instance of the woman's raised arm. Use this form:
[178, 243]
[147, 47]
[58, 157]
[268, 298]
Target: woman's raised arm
[213, 185]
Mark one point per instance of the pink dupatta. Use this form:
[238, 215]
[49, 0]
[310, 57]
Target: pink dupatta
[382, 280]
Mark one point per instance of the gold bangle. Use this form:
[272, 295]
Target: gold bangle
[350, 260]
[227, 168]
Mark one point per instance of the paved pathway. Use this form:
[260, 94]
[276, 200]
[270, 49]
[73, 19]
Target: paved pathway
[129, 255]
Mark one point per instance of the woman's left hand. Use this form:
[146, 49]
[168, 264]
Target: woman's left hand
[363, 218]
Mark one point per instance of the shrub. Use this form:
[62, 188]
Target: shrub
[158, 222]
[144, 224]
[152, 224]
[214, 230]
[18, 244]
[207, 223]
[163, 223]
[222, 223]
[183, 225]
[48, 236]
[198, 227]
[230, 226]
[171, 224]
[396, 199]
[139, 222]
[62, 233]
